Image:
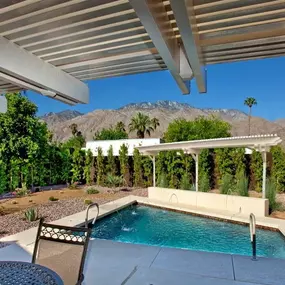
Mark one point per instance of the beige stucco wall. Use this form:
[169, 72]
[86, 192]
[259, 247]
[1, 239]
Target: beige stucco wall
[231, 203]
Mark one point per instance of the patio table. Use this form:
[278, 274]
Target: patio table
[24, 273]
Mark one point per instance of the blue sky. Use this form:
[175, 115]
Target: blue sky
[228, 86]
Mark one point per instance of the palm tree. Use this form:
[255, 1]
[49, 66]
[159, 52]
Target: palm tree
[155, 123]
[249, 101]
[120, 126]
[74, 129]
[142, 124]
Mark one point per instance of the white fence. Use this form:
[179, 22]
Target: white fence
[116, 144]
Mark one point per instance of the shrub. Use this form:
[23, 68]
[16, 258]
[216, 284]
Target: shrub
[193, 187]
[242, 184]
[271, 194]
[31, 215]
[226, 184]
[162, 180]
[186, 182]
[87, 202]
[53, 199]
[21, 192]
[114, 180]
[204, 185]
[100, 166]
[73, 185]
[92, 191]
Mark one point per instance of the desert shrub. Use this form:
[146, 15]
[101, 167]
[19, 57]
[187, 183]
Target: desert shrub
[74, 185]
[53, 199]
[185, 182]
[22, 192]
[87, 202]
[193, 187]
[163, 180]
[226, 184]
[114, 180]
[271, 194]
[204, 183]
[92, 191]
[242, 184]
[31, 215]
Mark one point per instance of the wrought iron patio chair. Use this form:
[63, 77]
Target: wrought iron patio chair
[62, 249]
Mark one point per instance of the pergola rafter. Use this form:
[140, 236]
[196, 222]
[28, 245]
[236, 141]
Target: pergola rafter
[51, 46]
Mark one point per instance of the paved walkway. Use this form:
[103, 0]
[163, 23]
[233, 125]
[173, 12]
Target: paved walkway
[113, 263]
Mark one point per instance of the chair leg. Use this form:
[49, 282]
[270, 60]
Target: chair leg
[79, 282]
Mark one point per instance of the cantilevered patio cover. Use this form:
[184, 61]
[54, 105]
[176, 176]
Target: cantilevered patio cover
[261, 143]
[51, 46]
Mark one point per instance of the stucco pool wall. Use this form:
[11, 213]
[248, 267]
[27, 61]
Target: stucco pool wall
[211, 201]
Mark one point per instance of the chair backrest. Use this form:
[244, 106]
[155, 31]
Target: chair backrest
[62, 249]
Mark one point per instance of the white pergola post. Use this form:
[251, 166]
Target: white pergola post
[196, 158]
[153, 169]
[264, 159]
[3, 104]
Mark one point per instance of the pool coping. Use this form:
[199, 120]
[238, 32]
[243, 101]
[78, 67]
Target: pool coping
[26, 238]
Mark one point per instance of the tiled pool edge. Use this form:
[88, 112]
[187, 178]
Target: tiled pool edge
[267, 223]
[212, 217]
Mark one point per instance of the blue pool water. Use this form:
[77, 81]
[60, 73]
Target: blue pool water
[151, 226]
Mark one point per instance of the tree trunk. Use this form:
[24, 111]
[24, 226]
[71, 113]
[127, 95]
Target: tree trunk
[249, 118]
[140, 135]
[32, 174]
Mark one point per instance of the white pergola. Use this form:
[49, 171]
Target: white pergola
[260, 143]
[53, 46]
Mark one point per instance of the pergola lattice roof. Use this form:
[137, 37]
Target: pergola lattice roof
[51, 46]
[258, 142]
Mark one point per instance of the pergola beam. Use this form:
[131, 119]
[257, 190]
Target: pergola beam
[18, 66]
[183, 11]
[154, 17]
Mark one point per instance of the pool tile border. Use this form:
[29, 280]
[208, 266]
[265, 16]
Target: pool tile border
[267, 223]
[228, 220]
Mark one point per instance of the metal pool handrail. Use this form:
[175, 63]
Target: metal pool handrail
[252, 225]
[87, 211]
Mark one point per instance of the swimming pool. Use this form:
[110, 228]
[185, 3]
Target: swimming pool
[151, 226]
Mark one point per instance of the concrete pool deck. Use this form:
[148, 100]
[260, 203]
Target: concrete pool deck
[110, 262]
[114, 263]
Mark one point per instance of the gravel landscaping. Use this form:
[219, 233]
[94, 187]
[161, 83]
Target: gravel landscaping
[15, 222]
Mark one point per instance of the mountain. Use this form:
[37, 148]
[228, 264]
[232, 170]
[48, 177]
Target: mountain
[165, 111]
[52, 118]
[176, 106]
[280, 122]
